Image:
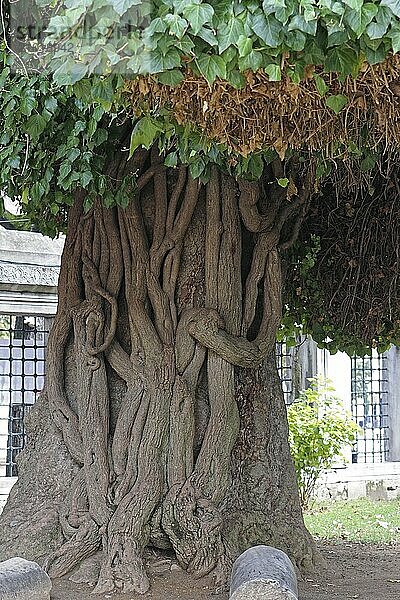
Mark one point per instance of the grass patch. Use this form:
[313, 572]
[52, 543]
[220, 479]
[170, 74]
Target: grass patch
[360, 520]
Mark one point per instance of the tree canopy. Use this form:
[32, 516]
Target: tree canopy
[237, 84]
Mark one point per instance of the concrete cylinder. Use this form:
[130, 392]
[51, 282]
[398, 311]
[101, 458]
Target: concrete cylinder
[22, 579]
[263, 573]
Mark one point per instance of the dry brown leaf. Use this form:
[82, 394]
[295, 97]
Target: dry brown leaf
[268, 114]
[291, 189]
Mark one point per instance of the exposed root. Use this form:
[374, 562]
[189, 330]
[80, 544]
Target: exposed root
[193, 524]
[83, 544]
[222, 574]
[123, 570]
[88, 571]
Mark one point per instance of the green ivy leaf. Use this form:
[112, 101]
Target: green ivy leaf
[376, 55]
[337, 103]
[337, 34]
[359, 19]
[379, 26]
[198, 15]
[211, 67]
[323, 169]
[394, 6]
[295, 40]
[103, 91]
[157, 61]
[236, 79]
[197, 167]
[251, 62]
[9, 107]
[35, 126]
[320, 84]
[273, 72]
[208, 36]
[78, 127]
[37, 191]
[342, 60]
[283, 182]
[65, 170]
[255, 166]
[230, 57]
[268, 29]
[121, 6]
[51, 104]
[171, 78]
[122, 198]
[244, 45]
[157, 25]
[299, 22]
[229, 33]
[69, 72]
[171, 160]
[354, 4]
[394, 35]
[177, 25]
[144, 134]
[283, 10]
[376, 31]
[98, 113]
[368, 162]
[85, 178]
[28, 103]
[83, 88]
[73, 154]
[15, 162]
[61, 24]
[271, 6]
[4, 75]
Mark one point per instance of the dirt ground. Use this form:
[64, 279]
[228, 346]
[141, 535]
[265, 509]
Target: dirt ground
[354, 571]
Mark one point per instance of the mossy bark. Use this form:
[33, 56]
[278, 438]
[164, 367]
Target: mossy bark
[162, 388]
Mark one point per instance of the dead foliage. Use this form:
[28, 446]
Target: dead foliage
[282, 114]
[354, 285]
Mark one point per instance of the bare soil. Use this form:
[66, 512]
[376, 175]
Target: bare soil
[354, 571]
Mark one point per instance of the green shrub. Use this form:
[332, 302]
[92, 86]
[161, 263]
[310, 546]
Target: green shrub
[319, 429]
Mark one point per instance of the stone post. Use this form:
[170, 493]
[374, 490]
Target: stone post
[305, 363]
[393, 386]
[22, 579]
[263, 573]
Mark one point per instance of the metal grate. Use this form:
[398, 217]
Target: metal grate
[369, 404]
[285, 364]
[23, 341]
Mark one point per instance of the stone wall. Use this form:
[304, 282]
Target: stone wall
[380, 481]
[29, 270]
[6, 484]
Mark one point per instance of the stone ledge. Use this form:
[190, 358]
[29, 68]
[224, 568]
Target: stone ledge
[19, 276]
[28, 300]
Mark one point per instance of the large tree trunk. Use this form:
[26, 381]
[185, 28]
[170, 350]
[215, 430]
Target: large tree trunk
[162, 422]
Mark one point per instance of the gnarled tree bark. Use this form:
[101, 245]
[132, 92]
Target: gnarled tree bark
[162, 384]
